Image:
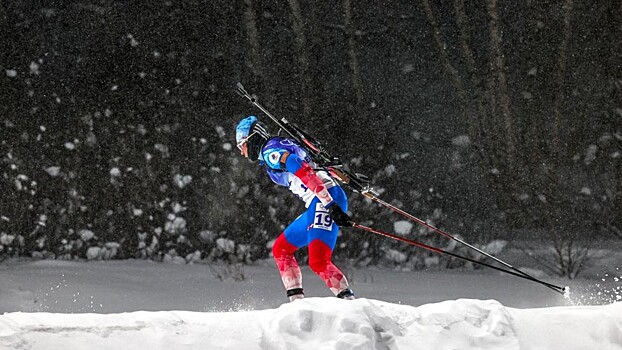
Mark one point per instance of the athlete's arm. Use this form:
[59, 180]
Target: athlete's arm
[297, 166]
[281, 159]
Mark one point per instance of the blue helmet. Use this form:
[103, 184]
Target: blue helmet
[250, 131]
[244, 128]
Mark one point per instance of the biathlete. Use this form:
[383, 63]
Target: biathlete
[289, 165]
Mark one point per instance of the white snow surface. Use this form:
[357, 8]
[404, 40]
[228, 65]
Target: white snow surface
[325, 323]
[143, 305]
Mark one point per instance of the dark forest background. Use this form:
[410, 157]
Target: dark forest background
[489, 119]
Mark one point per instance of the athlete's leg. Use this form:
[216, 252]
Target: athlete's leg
[283, 252]
[288, 267]
[320, 263]
[322, 238]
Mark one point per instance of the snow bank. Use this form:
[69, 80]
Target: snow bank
[325, 323]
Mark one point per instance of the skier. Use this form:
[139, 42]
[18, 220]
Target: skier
[289, 165]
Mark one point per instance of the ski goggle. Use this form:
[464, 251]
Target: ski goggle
[245, 140]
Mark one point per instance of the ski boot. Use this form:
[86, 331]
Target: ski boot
[295, 294]
[346, 294]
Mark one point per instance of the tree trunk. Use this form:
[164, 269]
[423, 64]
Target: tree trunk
[561, 73]
[357, 84]
[450, 70]
[254, 54]
[302, 56]
[500, 84]
[476, 120]
[481, 118]
[3, 18]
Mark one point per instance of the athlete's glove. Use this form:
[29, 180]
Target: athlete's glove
[339, 217]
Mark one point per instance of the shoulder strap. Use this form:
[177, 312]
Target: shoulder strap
[283, 160]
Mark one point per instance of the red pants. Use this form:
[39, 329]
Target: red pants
[319, 262]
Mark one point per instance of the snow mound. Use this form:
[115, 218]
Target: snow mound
[325, 323]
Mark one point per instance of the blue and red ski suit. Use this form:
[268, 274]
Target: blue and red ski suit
[289, 165]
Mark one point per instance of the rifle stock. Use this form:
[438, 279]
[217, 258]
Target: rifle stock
[333, 165]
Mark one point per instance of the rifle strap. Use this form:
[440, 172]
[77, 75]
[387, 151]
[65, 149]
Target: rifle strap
[283, 160]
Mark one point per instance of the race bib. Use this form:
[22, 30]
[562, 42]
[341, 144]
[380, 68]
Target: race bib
[322, 219]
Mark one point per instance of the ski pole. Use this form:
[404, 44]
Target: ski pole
[561, 290]
[360, 183]
[435, 229]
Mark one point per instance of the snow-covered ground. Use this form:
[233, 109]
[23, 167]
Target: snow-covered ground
[140, 304]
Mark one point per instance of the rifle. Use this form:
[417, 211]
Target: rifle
[333, 165]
